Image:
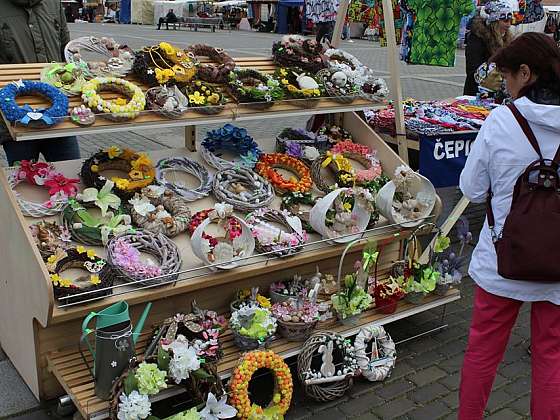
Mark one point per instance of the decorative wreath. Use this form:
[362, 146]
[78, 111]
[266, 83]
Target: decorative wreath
[297, 51]
[189, 166]
[26, 114]
[168, 102]
[242, 375]
[44, 175]
[233, 139]
[206, 98]
[339, 85]
[69, 78]
[293, 202]
[164, 64]
[159, 210]
[118, 57]
[250, 86]
[49, 237]
[237, 243]
[334, 134]
[87, 228]
[82, 115]
[96, 284]
[139, 167]
[217, 72]
[232, 227]
[243, 189]
[362, 154]
[297, 84]
[118, 109]
[266, 168]
[377, 363]
[342, 169]
[326, 366]
[123, 253]
[270, 238]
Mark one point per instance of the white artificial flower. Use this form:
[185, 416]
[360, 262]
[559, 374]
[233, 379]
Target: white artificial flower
[183, 362]
[215, 409]
[142, 205]
[135, 406]
[156, 190]
[310, 153]
[403, 174]
[222, 210]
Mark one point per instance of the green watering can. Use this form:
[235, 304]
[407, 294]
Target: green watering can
[114, 344]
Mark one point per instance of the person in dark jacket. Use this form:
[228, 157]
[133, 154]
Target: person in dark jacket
[34, 31]
[489, 32]
[171, 17]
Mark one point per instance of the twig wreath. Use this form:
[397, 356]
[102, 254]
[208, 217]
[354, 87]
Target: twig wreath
[238, 241]
[242, 375]
[206, 98]
[92, 230]
[333, 376]
[253, 88]
[266, 168]
[233, 139]
[97, 283]
[299, 85]
[293, 202]
[118, 58]
[49, 237]
[339, 86]
[27, 115]
[43, 175]
[377, 364]
[159, 210]
[168, 102]
[342, 169]
[270, 237]
[217, 72]
[118, 109]
[189, 166]
[123, 253]
[242, 188]
[164, 64]
[69, 78]
[139, 167]
[297, 51]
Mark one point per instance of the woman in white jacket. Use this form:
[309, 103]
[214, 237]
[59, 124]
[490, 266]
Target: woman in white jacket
[501, 152]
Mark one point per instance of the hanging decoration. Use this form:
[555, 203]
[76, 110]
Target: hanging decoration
[377, 364]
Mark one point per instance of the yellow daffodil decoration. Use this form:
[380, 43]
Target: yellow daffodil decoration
[203, 94]
[298, 84]
[120, 108]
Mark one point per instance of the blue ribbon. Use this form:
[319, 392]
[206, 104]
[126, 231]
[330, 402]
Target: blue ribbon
[26, 119]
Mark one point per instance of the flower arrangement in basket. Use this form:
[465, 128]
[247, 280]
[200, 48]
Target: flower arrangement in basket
[297, 318]
[255, 89]
[303, 89]
[206, 98]
[250, 296]
[252, 326]
[338, 85]
[283, 291]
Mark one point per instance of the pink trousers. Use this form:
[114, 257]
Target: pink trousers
[493, 319]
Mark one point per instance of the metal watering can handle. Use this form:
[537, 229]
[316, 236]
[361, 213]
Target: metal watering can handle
[85, 338]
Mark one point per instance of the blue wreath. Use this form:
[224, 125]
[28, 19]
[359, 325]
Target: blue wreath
[25, 114]
[233, 139]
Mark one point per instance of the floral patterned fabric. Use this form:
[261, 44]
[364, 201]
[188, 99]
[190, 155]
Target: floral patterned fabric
[436, 30]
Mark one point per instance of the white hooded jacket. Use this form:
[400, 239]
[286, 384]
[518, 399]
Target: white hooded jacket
[500, 154]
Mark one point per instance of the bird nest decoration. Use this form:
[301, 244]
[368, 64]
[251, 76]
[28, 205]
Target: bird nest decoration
[168, 102]
[164, 64]
[224, 252]
[206, 98]
[160, 211]
[254, 89]
[269, 163]
[117, 61]
[95, 284]
[299, 87]
[123, 253]
[375, 352]
[339, 86]
[119, 109]
[49, 237]
[326, 366]
[217, 71]
[242, 188]
[188, 166]
[297, 51]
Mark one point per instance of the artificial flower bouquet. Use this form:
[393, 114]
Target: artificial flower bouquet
[251, 296]
[252, 326]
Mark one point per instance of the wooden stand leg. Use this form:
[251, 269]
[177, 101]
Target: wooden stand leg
[190, 138]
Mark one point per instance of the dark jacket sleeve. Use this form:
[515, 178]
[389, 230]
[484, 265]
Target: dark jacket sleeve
[64, 33]
[476, 53]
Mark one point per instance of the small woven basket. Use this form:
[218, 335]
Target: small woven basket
[157, 108]
[296, 331]
[247, 343]
[334, 94]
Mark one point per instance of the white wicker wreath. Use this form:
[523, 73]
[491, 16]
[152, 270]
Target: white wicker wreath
[377, 365]
[31, 208]
[243, 189]
[226, 253]
[189, 166]
[347, 226]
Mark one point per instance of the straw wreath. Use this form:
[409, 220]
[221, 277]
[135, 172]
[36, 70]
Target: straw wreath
[206, 98]
[297, 51]
[119, 109]
[163, 64]
[123, 253]
[189, 166]
[242, 188]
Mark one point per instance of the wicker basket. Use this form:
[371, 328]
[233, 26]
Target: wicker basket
[246, 343]
[296, 331]
[208, 110]
[276, 297]
[334, 93]
[259, 106]
[157, 108]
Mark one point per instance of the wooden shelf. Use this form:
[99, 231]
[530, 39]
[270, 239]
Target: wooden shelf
[151, 120]
[70, 370]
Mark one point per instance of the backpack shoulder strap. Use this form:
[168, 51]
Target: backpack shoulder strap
[527, 129]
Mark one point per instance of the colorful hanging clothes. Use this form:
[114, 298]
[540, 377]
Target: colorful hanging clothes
[534, 12]
[321, 10]
[408, 30]
[436, 30]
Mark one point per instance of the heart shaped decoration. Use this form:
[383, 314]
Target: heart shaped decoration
[35, 116]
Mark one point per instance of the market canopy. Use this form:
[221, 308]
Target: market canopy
[229, 3]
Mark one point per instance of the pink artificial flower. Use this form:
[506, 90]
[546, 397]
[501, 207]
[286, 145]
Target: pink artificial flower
[59, 184]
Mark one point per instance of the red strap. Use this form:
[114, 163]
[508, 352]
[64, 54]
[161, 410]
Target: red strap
[526, 128]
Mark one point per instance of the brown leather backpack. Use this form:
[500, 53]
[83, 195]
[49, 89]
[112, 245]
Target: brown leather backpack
[528, 245]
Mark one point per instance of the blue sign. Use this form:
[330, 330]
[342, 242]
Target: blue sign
[443, 157]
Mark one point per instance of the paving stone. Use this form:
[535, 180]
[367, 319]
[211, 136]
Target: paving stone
[515, 354]
[395, 389]
[2, 355]
[518, 387]
[451, 400]
[365, 416]
[394, 408]
[316, 406]
[428, 393]
[363, 386]
[515, 370]
[427, 376]
[16, 396]
[402, 368]
[453, 347]
[432, 411]
[505, 414]
[420, 361]
[360, 405]
[332, 413]
[499, 381]
[498, 399]
[298, 412]
[453, 364]
[522, 405]
[34, 415]
[451, 381]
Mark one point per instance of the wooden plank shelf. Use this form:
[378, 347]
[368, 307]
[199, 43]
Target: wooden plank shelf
[72, 373]
[150, 120]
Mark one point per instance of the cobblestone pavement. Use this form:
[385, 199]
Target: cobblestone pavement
[425, 381]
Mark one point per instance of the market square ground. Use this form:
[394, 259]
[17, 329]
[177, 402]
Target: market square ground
[425, 381]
